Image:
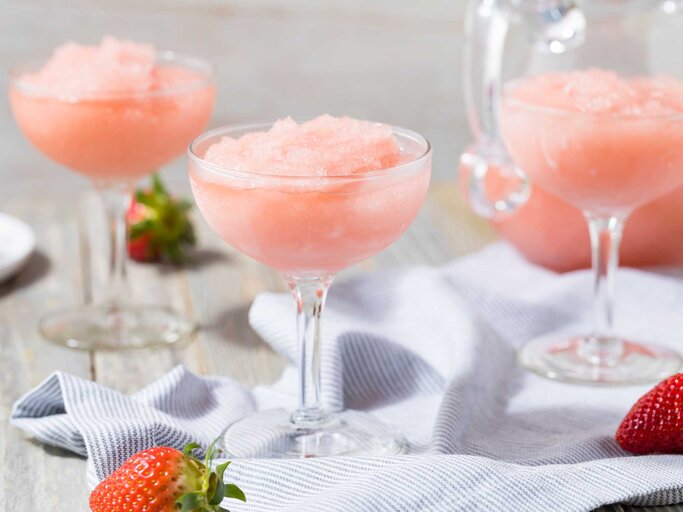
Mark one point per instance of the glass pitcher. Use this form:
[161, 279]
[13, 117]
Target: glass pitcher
[584, 100]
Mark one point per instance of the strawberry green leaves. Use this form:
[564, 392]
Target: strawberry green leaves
[189, 448]
[214, 490]
[234, 492]
[158, 225]
[192, 501]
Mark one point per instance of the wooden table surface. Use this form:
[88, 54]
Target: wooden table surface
[216, 291]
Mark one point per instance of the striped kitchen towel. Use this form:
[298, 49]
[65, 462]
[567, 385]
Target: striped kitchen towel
[430, 351]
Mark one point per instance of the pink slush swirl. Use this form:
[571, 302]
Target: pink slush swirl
[596, 91]
[604, 143]
[116, 110]
[111, 67]
[325, 146]
[307, 198]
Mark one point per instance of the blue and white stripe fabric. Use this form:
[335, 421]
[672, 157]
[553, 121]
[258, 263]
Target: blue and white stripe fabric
[430, 351]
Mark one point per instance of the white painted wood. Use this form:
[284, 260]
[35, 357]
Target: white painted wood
[35, 478]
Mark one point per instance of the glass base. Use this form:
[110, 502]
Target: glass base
[567, 361]
[270, 434]
[107, 327]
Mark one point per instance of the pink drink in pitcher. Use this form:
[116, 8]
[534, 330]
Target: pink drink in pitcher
[653, 234]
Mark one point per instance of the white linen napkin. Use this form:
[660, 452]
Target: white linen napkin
[430, 351]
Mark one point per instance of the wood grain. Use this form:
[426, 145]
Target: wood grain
[35, 477]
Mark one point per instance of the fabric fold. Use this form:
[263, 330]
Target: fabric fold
[431, 352]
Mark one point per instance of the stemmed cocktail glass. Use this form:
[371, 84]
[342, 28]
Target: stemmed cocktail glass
[309, 228]
[590, 109]
[114, 138]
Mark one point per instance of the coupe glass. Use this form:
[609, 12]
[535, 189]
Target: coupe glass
[309, 228]
[115, 139]
[604, 161]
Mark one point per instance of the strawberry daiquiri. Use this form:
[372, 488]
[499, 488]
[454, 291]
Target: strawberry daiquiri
[304, 204]
[605, 144]
[113, 112]
[602, 143]
[310, 199]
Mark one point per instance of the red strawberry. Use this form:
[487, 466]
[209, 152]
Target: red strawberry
[163, 479]
[655, 423]
[158, 225]
[142, 249]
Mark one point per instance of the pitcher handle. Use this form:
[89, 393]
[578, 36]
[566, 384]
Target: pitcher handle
[493, 184]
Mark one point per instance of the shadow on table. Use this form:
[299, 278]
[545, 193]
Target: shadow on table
[198, 259]
[55, 450]
[36, 268]
[233, 327]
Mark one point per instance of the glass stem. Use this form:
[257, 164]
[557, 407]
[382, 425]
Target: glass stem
[116, 196]
[602, 347]
[310, 295]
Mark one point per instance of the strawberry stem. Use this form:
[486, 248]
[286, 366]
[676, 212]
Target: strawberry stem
[213, 488]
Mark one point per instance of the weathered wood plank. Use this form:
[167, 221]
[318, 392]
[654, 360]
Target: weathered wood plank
[223, 283]
[465, 231]
[149, 284]
[51, 279]
[443, 13]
